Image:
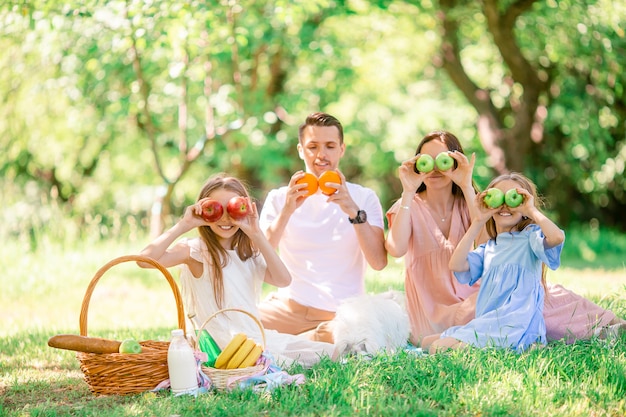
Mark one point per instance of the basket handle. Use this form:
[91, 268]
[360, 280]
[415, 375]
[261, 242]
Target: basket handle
[224, 310]
[129, 258]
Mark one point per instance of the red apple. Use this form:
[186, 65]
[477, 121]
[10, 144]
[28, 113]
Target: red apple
[238, 208]
[212, 210]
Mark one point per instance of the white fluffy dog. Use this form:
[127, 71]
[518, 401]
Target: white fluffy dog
[370, 323]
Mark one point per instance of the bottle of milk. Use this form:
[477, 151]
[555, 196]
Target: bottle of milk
[181, 365]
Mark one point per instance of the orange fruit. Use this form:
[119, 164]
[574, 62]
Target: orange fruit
[311, 182]
[328, 176]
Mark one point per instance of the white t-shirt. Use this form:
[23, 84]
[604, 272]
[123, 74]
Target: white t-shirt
[320, 248]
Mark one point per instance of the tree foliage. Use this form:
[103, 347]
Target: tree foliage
[108, 106]
[552, 103]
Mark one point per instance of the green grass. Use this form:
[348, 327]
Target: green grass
[43, 291]
[587, 378]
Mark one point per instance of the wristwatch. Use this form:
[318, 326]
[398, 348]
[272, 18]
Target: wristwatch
[361, 217]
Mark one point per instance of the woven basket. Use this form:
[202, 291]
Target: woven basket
[123, 374]
[223, 378]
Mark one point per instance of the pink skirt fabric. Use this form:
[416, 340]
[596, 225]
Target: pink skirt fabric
[571, 317]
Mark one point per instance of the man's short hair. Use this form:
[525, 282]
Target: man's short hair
[320, 119]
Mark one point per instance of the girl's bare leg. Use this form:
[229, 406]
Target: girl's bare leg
[443, 344]
[428, 340]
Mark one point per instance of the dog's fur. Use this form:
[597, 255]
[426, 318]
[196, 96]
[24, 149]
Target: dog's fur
[371, 323]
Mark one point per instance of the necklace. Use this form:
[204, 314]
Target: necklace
[443, 218]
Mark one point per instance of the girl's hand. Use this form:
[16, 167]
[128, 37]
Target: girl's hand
[410, 179]
[249, 224]
[527, 208]
[482, 211]
[193, 214]
[462, 174]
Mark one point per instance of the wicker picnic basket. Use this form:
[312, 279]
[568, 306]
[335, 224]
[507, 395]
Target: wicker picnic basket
[222, 378]
[123, 374]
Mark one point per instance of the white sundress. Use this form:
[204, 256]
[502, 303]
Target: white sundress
[242, 290]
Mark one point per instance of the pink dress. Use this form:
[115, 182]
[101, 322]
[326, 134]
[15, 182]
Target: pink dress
[437, 301]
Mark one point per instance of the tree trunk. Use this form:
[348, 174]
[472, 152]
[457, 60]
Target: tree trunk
[506, 144]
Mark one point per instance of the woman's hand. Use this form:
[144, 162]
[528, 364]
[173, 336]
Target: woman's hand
[410, 179]
[462, 174]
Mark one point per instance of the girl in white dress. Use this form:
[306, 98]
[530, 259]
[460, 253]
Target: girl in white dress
[225, 268]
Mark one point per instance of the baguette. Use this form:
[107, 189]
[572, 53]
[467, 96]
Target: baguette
[84, 343]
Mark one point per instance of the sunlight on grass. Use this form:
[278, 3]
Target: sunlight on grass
[596, 283]
[48, 288]
[44, 294]
[593, 282]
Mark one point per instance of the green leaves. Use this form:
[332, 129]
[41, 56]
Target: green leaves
[117, 96]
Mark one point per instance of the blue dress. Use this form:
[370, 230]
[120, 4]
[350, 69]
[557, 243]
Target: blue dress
[509, 307]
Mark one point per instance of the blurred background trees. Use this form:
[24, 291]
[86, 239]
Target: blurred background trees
[113, 112]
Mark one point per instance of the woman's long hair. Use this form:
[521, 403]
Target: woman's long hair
[241, 242]
[453, 144]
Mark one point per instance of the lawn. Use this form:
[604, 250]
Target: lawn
[43, 292]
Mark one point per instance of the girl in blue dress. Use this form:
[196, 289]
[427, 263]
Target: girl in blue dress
[511, 269]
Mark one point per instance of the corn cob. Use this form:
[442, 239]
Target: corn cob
[252, 357]
[241, 354]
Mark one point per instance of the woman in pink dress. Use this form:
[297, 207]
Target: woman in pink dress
[427, 223]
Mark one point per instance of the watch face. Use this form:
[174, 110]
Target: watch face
[361, 217]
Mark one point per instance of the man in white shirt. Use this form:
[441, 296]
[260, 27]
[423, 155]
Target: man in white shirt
[325, 241]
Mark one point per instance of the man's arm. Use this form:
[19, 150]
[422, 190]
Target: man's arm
[372, 242]
[371, 238]
[274, 224]
[276, 229]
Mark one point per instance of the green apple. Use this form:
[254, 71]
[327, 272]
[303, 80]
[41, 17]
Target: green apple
[512, 198]
[425, 163]
[444, 161]
[130, 346]
[494, 197]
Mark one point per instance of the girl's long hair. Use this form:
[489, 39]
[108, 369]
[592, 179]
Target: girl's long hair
[242, 244]
[529, 186]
